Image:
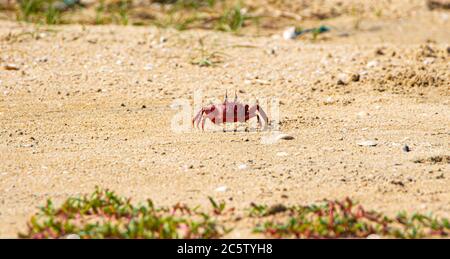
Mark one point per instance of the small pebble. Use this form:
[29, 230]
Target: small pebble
[372, 63]
[340, 82]
[289, 33]
[11, 67]
[242, 167]
[367, 143]
[355, 77]
[285, 137]
[379, 52]
[221, 189]
[342, 79]
[329, 100]
[406, 148]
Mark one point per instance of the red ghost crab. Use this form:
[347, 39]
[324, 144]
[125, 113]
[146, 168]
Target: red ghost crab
[230, 112]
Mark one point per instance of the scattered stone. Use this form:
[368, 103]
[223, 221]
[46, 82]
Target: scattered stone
[399, 183]
[242, 167]
[379, 52]
[355, 77]
[221, 189]
[340, 82]
[262, 82]
[186, 167]
[143, 106]
[285, 137]
[11, 67]
[372, 64]
[367, 143]
[342, 79]
[289, 33]
[329, 100]
[406, 148]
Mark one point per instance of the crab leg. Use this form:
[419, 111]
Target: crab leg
[203, 123]
[197, 117]
[263, 114]
[252, 113]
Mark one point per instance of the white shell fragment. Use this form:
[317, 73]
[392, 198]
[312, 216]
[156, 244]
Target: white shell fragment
[367, 143]
[221, 189]
[289, 33]
[242, 167]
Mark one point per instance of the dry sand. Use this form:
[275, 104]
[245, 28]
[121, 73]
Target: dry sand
[92, 106]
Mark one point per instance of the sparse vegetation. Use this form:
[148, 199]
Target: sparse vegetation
[39, 11]
[103, 214]
[232, 19]
[206, 58]
[179, 14]
[345, 219]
